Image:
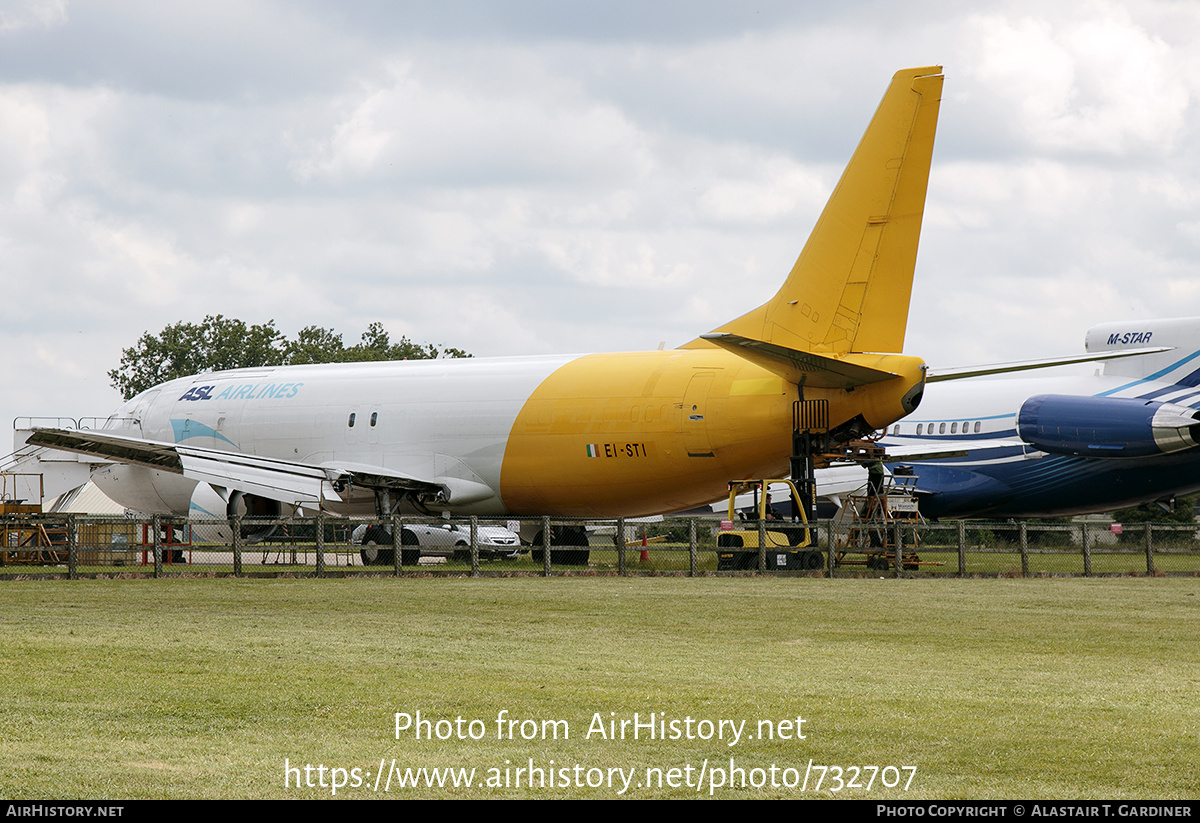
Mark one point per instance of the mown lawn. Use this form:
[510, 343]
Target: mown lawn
[198, 688]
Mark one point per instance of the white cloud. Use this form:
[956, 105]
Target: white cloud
[479, 185]
[1094, 81]
[32, 14]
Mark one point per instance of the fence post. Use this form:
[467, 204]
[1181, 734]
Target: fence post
[1024, 549]
[236, 522]
[692, 547]
[545, 547]
[1087, 551]
[1149, 552]
[962, 548]
[762, 543]
[157, 527]
[72, 546]
[830, 549]
[474, 545]
[898, 536]
[397, 542]
[619, 545]
[319, 520]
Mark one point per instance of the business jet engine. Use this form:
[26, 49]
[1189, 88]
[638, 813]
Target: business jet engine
[1107, 426]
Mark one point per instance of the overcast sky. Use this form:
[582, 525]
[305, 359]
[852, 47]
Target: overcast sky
[549, 176]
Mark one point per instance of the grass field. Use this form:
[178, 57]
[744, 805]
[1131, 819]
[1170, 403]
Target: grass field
[664, 559]
[198, 688]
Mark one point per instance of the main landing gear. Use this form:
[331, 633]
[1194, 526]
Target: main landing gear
[565, 537]
[378, 548]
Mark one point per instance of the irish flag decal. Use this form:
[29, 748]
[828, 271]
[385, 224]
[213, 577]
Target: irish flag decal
[593, 450]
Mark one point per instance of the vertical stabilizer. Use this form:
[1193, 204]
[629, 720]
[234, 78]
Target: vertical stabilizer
[1179, 362]
[850, 288]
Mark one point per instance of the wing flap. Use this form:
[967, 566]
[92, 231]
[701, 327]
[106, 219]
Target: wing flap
[379, 477]
[293, 483]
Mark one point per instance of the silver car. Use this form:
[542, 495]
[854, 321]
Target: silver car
[433, 540]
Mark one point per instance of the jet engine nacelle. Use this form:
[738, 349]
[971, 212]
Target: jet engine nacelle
[209, 511]
[1107, 426]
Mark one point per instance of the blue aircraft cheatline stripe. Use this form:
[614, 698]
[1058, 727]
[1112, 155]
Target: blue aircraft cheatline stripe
[1154, 378]
[1051, 473]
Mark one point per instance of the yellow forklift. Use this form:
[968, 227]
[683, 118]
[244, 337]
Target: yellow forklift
[791, 545]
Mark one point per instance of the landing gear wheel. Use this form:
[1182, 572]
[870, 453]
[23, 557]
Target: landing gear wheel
[373, 553]
[409, 557]
[563, 536]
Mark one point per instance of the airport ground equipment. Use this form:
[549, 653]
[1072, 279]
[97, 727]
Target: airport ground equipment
[765, 541]
[791, 545]
[873, 522]
[25, 536]
[60, 471]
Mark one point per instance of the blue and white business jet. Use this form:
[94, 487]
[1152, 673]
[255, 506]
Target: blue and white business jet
[1048, 446]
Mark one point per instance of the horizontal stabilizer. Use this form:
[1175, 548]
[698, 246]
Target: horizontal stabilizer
[963, 372]
[800, 367]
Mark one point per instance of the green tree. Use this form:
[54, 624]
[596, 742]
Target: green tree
[1183, 511]
[218, 343]
[213, 344]
[317, 345]
[1131, 519]
[314, 344]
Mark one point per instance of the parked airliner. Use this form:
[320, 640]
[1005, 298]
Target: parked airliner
[1054, 445]
[634, 433]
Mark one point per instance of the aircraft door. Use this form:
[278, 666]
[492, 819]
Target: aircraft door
[133, 423]
[692, 423]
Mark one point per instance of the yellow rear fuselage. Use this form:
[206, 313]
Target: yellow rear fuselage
[652, 432]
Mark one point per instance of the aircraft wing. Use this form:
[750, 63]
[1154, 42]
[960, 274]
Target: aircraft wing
[284, 480]
[920, 452]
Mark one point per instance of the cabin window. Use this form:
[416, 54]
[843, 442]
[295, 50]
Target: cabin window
[897, 429]
[374, 418]
[954, 428]
[977, 427]
[941, 428]
[919, 426]
[351, 422]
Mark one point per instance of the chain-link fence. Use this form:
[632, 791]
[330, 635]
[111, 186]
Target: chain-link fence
[78, 545]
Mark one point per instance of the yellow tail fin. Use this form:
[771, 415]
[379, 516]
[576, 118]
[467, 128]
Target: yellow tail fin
[849, 290]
